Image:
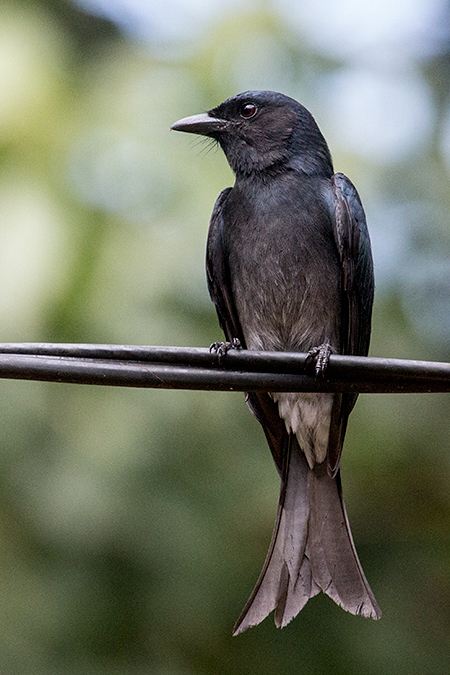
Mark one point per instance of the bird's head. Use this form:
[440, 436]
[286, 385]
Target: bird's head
[263, 131]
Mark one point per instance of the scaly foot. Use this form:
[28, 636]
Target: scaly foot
[321, 355]
[222, 348]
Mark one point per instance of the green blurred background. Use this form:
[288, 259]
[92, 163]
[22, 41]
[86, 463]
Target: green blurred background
[133, 524]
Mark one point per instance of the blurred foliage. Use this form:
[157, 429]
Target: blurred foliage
[133, 524]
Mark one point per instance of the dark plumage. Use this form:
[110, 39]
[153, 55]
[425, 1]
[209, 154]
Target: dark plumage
[289, 268]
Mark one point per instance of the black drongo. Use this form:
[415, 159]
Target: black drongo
[289, 268]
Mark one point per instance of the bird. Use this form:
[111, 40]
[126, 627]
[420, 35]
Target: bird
[289, 268]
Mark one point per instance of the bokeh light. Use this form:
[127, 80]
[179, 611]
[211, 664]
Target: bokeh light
[134, 523]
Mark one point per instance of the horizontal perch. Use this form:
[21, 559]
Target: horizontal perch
[239, 370]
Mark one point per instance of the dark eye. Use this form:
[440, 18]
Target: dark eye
[248, 110]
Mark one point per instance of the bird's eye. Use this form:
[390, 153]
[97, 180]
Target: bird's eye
[248, 110]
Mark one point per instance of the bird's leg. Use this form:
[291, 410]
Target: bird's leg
[221, 348]
[321, 355]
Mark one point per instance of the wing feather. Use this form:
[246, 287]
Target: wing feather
[357, 290]
[219, 285]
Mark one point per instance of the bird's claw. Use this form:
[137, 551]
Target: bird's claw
[222, 348]
[321, 355]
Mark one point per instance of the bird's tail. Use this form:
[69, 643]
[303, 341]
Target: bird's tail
[312, 549]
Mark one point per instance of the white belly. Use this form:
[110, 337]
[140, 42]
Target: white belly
[308, 417]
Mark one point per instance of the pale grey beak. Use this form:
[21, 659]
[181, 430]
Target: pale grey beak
[203, 124]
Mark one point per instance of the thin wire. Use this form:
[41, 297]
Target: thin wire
[193, 368]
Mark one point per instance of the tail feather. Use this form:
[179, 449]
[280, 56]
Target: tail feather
[311, 550]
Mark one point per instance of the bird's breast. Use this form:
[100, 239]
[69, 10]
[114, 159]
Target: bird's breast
[284, 268]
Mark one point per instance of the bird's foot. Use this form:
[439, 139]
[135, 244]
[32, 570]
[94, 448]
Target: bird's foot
[222, 348]
[321, 355]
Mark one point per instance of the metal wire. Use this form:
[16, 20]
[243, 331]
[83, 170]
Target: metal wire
[239, 370]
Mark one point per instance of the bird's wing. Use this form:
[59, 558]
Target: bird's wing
[219, 285]
[218, 275]
[352, 238]
[357, 289]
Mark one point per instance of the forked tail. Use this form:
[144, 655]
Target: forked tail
[312, 550]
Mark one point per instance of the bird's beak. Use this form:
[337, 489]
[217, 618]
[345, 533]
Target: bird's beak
[203, 124]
